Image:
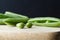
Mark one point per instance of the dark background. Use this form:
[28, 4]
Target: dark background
[32, 8]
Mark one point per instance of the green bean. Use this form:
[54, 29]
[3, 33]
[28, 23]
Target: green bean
[20, 25]
[28, 25]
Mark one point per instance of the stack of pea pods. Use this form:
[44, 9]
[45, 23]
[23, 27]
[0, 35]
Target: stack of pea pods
[21, 21]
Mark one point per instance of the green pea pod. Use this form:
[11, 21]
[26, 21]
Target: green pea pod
[29, 25]
[14, 15]
[55, 24]
[2, 16]
[45, 21]
[1, 22]
[41, 19]
[14, 21]
[20, 25]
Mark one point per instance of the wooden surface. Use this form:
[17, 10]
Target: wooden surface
[34, 33]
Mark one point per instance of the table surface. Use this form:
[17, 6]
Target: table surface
[6, 28]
